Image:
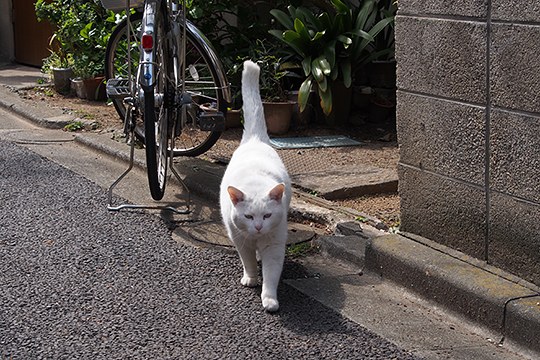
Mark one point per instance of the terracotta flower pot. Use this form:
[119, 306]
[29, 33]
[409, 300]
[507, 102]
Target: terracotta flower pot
[278, 117]
[95, 88]
[233, 119]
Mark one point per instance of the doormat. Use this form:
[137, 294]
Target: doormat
[313, 142]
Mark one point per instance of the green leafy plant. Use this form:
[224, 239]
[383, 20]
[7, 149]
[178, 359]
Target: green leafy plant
[87, 67]
[330, 47]
[56, 60]
[385, 41]
[231, 26]
[82, 29]
[300, 249]
[273, 71]
[74, 126]
[62, 42]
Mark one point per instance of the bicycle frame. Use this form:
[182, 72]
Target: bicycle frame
[147, 71]
[147, 68]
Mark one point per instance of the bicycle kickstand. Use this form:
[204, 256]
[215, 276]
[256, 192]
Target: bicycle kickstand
[131, 137]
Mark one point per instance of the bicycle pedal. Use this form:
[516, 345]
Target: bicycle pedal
[117, 88]
[212, 121]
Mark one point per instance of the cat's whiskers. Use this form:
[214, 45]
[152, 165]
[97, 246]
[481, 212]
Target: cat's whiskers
[237, 233]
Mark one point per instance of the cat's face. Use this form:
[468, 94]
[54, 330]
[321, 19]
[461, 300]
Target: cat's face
[257, 216]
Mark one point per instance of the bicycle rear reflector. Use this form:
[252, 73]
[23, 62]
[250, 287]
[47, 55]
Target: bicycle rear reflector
[147, 42]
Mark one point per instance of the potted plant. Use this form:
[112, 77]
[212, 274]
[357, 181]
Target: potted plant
[60, 61]
[331, 48]
[278, 108]
[89, 71]
[82, 31]
[61, 69]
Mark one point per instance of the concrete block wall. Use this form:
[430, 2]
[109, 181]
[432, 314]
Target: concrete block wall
[468, 115]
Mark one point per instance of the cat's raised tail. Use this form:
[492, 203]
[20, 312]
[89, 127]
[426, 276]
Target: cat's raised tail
[254, 123]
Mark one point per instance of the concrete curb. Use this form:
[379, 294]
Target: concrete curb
[46, 118]
[485, 295]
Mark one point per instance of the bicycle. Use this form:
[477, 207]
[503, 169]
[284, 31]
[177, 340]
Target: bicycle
[166, 82]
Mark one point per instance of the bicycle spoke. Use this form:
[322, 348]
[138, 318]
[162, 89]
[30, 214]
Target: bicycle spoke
[201, 84]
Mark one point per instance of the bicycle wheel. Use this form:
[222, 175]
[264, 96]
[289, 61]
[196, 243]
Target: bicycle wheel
[116, 62]
[202, 83]
[157, 110]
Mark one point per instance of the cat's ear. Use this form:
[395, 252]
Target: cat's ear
[277, 192]
[235, 195]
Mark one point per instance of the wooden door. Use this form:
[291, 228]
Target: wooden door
[31, 37]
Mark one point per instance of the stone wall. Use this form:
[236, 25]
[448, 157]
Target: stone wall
[469, 127]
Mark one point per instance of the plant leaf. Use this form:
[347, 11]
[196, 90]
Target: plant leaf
[347, 74]
[283, 18]
[363, 14]
[303, 93]
[323, 85]
[347, 41]
[362, 34]
[375, 30]
[340, 7]
[326, 101]
[293, 39]
[306, 65]
[300, 28]
[318, 35]
[324, 65]
[277, 33]
[292, 12]
[310, 17]
[317, 71]
[330, 55]
[325, 20]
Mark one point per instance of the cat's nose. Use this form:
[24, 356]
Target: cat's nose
[258, 227]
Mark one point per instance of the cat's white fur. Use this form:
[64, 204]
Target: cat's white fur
[255, 194]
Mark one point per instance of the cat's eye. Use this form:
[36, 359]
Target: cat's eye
[250, 217]
[266, 216]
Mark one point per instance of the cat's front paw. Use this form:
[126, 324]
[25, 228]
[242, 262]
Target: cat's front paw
[270, 304]
[248, 281]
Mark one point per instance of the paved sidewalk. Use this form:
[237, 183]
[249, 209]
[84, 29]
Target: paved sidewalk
[487, 296]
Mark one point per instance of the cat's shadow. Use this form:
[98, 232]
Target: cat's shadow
[305, 315]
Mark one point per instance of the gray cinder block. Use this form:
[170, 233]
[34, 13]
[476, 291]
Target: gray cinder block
[514, 236]
[442, 136]
[451, 212]
[445, 58]
[515, 70]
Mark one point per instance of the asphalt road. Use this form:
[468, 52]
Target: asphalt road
[79, 282]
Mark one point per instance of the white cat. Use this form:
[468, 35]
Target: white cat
[255, 194]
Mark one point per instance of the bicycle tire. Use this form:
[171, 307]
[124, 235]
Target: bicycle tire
[193, 141]
[157, 114]
[116, 57]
